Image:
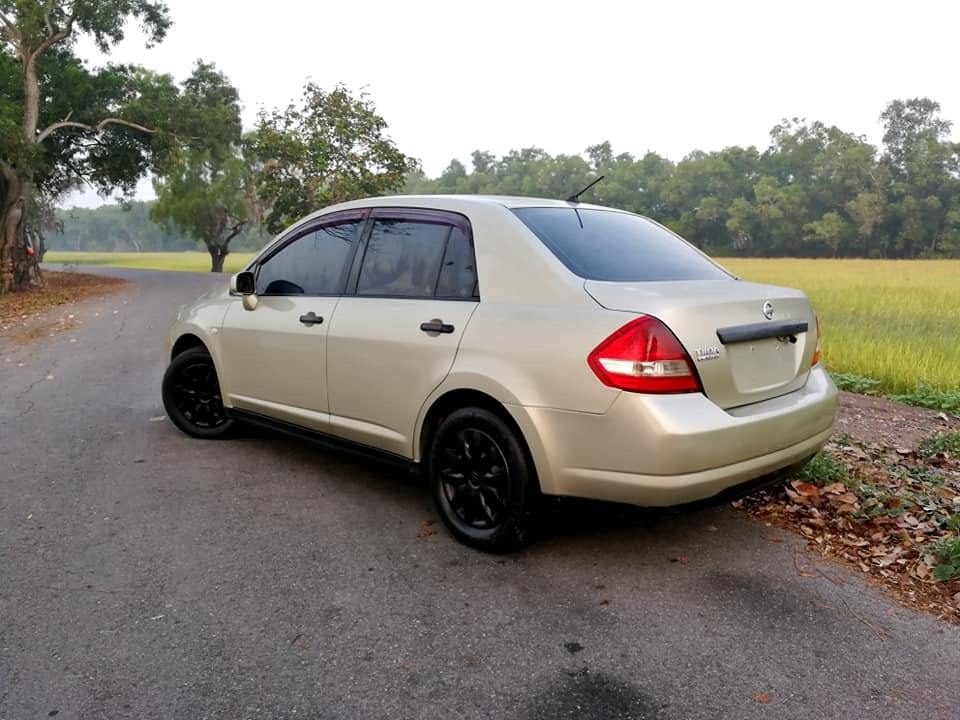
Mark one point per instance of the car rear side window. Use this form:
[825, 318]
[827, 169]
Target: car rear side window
[458, 274]
[616, 247]
[313, 264]
[418, 259]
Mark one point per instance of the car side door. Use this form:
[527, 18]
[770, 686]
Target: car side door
[274, 356]
[396, 331]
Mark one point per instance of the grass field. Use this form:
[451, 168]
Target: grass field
[894, 321]
[183, 261]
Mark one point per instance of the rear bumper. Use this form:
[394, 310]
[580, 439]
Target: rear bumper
[675, 449]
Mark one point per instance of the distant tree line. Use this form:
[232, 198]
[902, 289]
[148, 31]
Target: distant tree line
[816, 191]
[129, 227]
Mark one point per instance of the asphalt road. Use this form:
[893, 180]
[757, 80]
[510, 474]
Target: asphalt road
[144, 574]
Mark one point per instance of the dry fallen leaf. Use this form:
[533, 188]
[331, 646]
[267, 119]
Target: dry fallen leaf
[425, 533]
[761, 697]
[805, 489]
[682, 559]
[846, 498]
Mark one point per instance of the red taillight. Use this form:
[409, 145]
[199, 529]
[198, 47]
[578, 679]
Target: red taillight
[644, 356]
[816, 352]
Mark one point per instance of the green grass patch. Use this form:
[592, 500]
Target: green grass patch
[928, 397]
[895, 322]
[851, 382]
[947, 551]
[180, 261]
[945, 443]
[824, 469]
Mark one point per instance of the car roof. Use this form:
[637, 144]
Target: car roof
[465, 201]
[518, 268]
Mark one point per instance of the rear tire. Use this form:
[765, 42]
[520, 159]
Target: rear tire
[191, 396]
[483, 485]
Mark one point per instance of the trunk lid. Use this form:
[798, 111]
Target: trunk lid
[749, 342]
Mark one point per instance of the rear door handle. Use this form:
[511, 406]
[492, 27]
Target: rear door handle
[311, 319]
[436, 326]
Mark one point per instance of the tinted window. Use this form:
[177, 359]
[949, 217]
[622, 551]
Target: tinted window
[312, 264]
[403, 258]
[615, 246]
[458, 274]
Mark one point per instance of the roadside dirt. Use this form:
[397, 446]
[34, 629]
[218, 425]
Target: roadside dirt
[869, 421]
[882, 500]
[43, 311]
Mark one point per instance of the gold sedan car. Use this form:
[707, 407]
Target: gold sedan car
[511, 348]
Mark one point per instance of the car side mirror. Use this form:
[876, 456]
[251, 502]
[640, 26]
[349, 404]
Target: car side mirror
[246, 284]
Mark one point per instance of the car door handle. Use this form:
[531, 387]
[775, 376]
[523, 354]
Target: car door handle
[436, 326]
[311, 319]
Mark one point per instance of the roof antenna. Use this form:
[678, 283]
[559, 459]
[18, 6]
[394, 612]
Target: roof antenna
[575, 198]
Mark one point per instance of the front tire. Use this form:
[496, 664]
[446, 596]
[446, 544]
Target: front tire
[482, 483]
[191, 395]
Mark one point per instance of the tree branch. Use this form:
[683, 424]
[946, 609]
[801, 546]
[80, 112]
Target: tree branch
[99, 127]
[53, 38]
[46, 17]
[8, 33]
[234, 231]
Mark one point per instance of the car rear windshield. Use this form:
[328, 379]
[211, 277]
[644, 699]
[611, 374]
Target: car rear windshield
[616, 246]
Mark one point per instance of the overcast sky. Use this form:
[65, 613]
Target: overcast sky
[452, 77]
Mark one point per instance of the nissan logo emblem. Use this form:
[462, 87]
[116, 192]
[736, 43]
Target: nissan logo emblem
[768, 310]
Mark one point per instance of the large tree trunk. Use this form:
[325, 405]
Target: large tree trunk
[217, 256]
[14, 260]
[15, 193]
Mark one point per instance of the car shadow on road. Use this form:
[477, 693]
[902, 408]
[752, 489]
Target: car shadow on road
[562, 520]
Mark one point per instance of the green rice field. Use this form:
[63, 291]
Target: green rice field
[894, 321]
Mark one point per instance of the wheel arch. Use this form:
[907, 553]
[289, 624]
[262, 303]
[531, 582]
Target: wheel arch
[191, 336]
[185, 342]
[455, 399]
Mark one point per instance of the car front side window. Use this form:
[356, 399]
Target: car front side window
[312, 264]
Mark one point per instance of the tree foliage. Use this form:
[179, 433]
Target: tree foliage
[205, 187]
[330, 148]
[62, 123]
[815, 191]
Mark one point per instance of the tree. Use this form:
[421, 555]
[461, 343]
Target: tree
[209, 199]
[331, 148]
[61, 123]
[451, 178]
[205, 188]
[925, 171]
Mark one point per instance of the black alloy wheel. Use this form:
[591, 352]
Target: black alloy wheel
[481, 480]
[191, 395]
